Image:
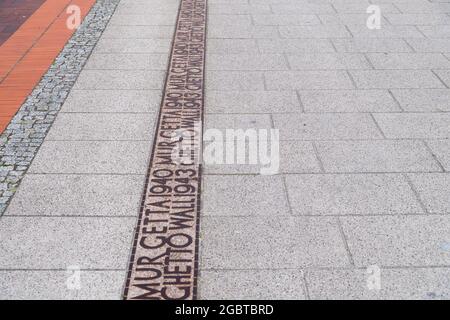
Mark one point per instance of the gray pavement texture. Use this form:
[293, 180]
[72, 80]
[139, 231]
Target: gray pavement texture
[360, 208]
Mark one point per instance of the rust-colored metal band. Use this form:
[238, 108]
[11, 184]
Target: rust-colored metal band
[164, 258]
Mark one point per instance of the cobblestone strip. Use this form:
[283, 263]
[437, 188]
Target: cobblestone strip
[27, 130]
[164, 259]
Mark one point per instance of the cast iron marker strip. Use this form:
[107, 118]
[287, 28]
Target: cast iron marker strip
[164, 258]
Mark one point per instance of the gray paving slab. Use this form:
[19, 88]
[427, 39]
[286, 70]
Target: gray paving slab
[294, 45]
[325, 126]
[359, 17]
[285, 19]
[237, 121]
[120, 79]
[232, 46]
[361, 7]
[441, 149]
[387, 31]
[270, 243]
[103, 126]
[314, 32]
[327, 61]
[385, 79]
[242, 32]
[133, 46]
[58, 243]
[433, 190]
[376, 156]
[444, 75]
[78, 195]
[418, 18]
[127, 61]
[52, 285]
[292, 80]
[224, 20]
[227, 8]
[397, 283]
[301, 8]
[222, 198]
[136, 101]
[372, 45]
[398, 240]
[422, 7]
[138, 32]
[251, 284]
[430, 45]
[408, 60]
[250, 62]
[414, 125]
[93, 157]
[351, 194]
[348, 101]
[298, 157]
[428, 100]
[234, 80]
[143, 20]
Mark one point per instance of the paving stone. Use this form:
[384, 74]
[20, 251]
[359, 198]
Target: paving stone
[292, 80]
[251, 284]
[347, 18]
[128, 61]
[302, 8]
[423, 7]
[431, 100]
[270, 243]
[113, 101]
[227, 8]
[361, 31]
[243, 196]
[285, 19]
[238, 121]
[120, 79]
[146, 9]
[143, 20]
[234, 80]
[441, 149]
[442, 31]
[430, 45]
[231, 46]
[250, 62]
[398, 240]
[357, 194]
[294, 45]
[298, 157]
[418, 19]
[133, 46]
[119, 157]
[414, 125]
[398, 283]
[408, 60]
[57, 243]
[372, 45]
[433, 190]
[376, 156]
[361, 7]
[314, 32]
[102, 126]
[385, 79]
[138, 32]
[242, 32]
[228, 20]
[325, 126]
[52, 285]
[78, 195]
[444, 75]
[321, 61]
[252, 102]
[348, 101]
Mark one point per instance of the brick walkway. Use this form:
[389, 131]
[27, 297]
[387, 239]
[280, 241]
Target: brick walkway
[361, 198]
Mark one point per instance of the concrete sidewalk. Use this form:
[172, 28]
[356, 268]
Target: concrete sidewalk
[360, 208]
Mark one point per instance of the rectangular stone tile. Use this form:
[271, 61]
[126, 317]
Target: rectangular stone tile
[346, 194]
[408, 61]
[251, 284]
[268, 242]
[398, 283]
[234, 80]
[120, 79]
[444, 75]
[302, 8]
[316, 126]
[102, 126]
[376, 156]
[418, 19]
[414, 125]
[143, 20]
[347, 18]
[57, 243]
[243, 196]
[441, 149]
[227, 8]
[116, 157]
[250, 62]
[112, 101]
[237, 121]
[138, 32]
[228, 20]
[385, 79]
[242, 32]
[327, 61]
[127, 61]
[371, 45]
[431, 100]
[361, 7]
[348, 101]
[52, 285]
[145, 8]
[433, 190]
[105, 45]
[78, 195]
[314, 32]
[442, 31]
[231, 46]
[292, 80]
[423, 7]
[285, 19]
[430, 45]
[294, 45]
[398, 241]
[361, 31]
[252, 102]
